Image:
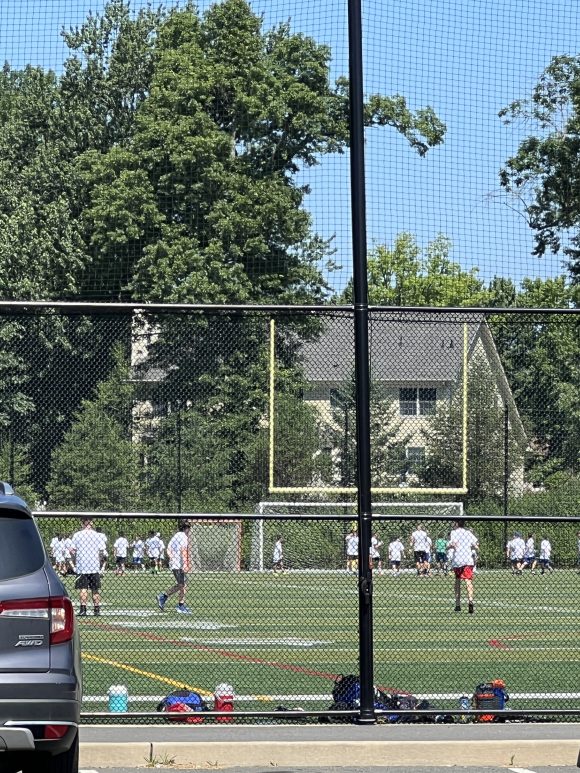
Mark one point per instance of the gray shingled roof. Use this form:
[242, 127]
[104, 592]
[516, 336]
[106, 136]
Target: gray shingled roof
[412, 350]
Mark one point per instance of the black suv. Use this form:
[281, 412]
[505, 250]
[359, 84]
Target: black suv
[40, 669]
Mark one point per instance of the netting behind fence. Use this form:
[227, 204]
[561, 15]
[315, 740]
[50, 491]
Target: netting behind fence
[214, 412]
[165, 153]
[281, 636]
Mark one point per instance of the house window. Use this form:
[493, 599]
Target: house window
[417, 401]
[415, 457]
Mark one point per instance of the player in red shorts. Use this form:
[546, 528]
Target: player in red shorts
[463, 542]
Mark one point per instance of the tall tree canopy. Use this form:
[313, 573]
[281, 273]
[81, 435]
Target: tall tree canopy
[162, 164]
[409, 275]
[545, 172]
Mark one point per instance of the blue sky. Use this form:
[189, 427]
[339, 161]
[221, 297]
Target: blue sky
[465, 59]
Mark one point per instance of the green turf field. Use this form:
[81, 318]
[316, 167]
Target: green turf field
[280, 639]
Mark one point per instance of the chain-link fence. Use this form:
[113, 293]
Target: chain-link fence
[215, 411]
[266, 615]
[242, 420]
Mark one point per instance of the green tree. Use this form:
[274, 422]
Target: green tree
[15, 468]
[540, 355]
[544, 175]
[389, 440]
[162, 165]
[485, 439]
[96, 465]
[210, 463]
[407, 275]
[202, 204]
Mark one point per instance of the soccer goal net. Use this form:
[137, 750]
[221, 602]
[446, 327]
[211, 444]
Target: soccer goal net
[318, 541]
[215, 546]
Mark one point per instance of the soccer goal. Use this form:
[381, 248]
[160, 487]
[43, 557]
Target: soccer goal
[215, 546]
[317, 541]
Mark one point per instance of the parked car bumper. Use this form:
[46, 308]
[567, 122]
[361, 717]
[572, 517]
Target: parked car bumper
[29, 703]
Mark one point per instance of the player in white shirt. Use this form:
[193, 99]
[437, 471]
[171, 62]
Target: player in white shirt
[121, 546]
[515, 550]
[463, 542]
[59, 553]
[104, 552]
[179, 563]
[421, 545]
[278, 556]
[375, 554]
[68, 555]
[154, 547]
[396, 555]
[87, 552]
[53, 543]
[138, 553]
[545, 556]
[530, 554]
[161, 545]
[351, 541]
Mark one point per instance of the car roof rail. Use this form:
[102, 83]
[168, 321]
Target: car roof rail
[6, 489]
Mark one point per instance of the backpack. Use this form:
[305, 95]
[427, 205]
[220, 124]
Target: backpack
[490, 695]
[184, 705]
[405, 702]
[346, 690]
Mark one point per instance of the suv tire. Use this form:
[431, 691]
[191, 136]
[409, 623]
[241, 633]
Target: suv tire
[67, 762]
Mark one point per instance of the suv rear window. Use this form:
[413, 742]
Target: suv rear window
[21, 550]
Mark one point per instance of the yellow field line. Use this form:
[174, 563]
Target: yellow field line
[158, 677]
[149, 674]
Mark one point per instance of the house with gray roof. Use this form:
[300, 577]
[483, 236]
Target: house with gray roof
[417, 366]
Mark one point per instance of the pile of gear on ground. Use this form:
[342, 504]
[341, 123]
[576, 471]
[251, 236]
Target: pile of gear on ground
[188, 705]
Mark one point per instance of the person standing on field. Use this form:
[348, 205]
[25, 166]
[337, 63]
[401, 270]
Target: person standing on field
[87, 549]
[530, 554]
[396, 555]
[545, 556]
[421, 544]
[515, 550]
[138, 552]
[351, 541]
[441, 555]
[179, 563]
[463, 542]
[121, 546]
[278, 557]
[375, 553]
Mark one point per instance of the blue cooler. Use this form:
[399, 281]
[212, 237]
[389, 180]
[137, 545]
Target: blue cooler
[118, 698]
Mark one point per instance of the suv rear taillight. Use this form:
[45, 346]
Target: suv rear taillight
[57, 610]
[62, 620]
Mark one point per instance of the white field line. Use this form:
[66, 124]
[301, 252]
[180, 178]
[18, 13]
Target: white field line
[328, 697]
[291, 641]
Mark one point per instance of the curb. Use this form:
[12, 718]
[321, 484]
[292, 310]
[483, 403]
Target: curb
[369, 753]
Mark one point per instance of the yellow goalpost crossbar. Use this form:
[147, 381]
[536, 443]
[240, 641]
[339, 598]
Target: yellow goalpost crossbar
[273, 489]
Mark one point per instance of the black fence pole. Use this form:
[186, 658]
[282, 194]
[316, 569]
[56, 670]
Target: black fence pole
[362, 379]
[179, 461]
